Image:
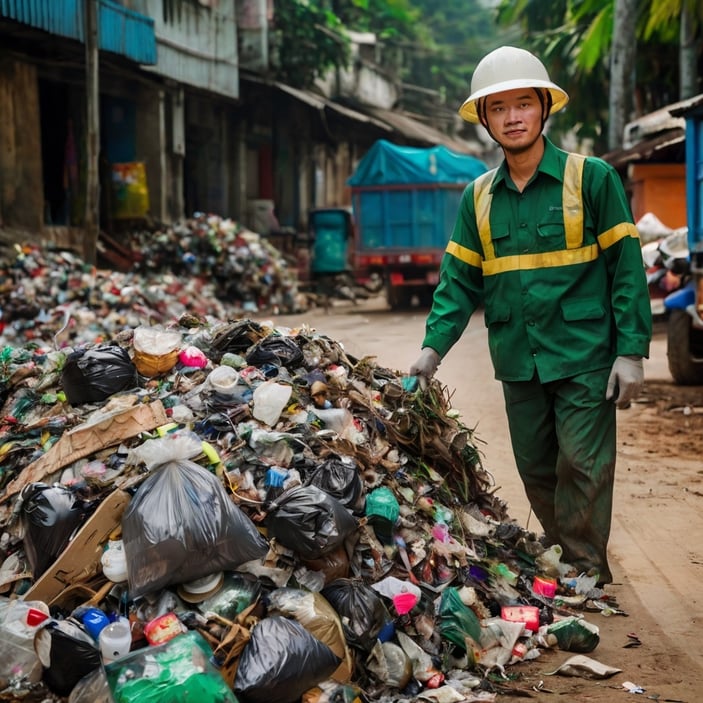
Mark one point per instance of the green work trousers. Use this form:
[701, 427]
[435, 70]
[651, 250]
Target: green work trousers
[563, 435]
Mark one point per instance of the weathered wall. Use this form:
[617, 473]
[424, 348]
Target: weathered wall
[659, 189]
[21, 195]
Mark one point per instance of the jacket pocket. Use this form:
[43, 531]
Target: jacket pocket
[551, 229]
[496, 314]
[582, 309]
[500, 230]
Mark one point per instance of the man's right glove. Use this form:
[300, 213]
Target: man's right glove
[426, 365]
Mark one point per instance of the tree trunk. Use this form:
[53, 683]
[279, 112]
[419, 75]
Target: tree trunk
[622, 78]
[689, 47]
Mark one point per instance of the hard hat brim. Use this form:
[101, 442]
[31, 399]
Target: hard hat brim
[468, 108]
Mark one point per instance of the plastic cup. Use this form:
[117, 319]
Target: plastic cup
[115, 640]
[404, 602]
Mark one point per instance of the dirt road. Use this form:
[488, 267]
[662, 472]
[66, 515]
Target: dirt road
[657, 534]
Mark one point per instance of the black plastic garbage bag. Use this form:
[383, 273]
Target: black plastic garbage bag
[361, 610]
[281, 661]
[309, 521]
[67, 653]
[181, 525]
[50, 516]
[278, 350]
[92, 375]
[236, 338]
[339, 477]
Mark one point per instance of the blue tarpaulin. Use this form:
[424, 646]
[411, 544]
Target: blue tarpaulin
[389, 164]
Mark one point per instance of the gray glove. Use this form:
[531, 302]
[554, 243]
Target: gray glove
[625, 380]
[426, 365]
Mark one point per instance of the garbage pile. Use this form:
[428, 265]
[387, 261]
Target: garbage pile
[243, 512]
[208, 266]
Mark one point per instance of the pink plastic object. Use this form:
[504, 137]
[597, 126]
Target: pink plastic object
[544, 586]
[192, 356]
[528, 614]
[404, 602]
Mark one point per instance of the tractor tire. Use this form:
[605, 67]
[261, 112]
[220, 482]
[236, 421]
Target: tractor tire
[684, 349]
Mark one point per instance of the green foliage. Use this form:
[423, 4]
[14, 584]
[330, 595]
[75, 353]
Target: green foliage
[462, 31]
[310, 40]
[574, 38]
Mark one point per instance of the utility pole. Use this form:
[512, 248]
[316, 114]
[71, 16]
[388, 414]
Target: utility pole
[92, 132]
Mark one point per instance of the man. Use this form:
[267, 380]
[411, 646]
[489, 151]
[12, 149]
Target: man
[546, 243]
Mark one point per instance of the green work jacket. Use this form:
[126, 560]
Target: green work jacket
[558, 269]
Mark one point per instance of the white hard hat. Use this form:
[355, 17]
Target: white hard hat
[507, 68]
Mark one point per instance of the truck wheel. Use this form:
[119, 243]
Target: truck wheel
[684, 349]
[398, 297]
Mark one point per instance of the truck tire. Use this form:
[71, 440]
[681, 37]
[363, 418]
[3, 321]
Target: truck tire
[684, 349]
[399, 297]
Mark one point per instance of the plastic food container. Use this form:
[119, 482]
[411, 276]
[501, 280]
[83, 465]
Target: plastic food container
[115, 640]
[544, 586]
[528, 614]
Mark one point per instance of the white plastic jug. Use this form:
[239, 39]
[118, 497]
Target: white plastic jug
[115, 640]
[269, 400]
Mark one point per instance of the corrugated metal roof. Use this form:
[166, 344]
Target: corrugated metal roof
[121, 31]
[317, 101]
[656, 148]
[687, 106]
[418, 131]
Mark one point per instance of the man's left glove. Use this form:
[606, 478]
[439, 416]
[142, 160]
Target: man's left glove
[625, 380]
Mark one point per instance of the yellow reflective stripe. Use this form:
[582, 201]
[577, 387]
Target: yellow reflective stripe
[572, 200]
[468, 256]
[482, 206]
[615, 234]
[525, 262]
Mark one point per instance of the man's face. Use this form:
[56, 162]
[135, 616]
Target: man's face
[515, 118]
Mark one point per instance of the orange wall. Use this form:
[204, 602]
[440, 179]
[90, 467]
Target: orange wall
[661, 190]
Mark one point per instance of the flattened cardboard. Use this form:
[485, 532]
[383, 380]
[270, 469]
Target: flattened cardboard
[80, 560]
[88, 438]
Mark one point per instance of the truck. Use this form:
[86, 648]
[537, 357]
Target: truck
[404, 203]
[684, 307]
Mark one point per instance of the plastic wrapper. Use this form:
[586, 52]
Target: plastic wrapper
[390, 664]
[339, 477]
[50, 516]
[309, 521]
[575, 634]
[180, 526]
[174, 446]
[92, 688]
[281, 661]
[177, 671]
[456, 620]
[93, 375]
[238, 591]
[362, 612]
